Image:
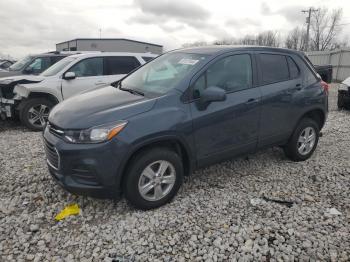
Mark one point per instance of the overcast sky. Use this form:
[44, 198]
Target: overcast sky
[32, 26]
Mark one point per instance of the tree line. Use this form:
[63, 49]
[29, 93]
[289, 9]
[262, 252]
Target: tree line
[325, 27]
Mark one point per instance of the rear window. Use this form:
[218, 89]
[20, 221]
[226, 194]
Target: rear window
[119, 65]
[274, 68]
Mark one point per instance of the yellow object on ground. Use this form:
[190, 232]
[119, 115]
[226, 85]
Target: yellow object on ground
[69, 210]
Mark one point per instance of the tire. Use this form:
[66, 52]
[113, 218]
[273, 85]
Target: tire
[28, 107]
[294, 149]
[135, 180]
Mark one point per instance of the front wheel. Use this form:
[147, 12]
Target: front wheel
[34, 113]
[304, 140]
[153, 179]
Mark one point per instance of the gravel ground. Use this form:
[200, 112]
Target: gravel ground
[228, 211]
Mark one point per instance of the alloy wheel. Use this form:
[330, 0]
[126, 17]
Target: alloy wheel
[157, 180]
[38, 115]
[306, 141]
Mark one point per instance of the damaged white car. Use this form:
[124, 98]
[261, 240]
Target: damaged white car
[31, 98]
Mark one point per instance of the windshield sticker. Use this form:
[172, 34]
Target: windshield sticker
[185, 61]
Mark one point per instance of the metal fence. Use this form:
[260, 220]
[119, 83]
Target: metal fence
[339, 59]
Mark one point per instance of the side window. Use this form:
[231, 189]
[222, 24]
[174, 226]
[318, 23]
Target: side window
[55, 59]
[147, 58]
[293, 68]
[118, 65]
[274, 68]
[233, 73]
[88, 67]
[38, 65]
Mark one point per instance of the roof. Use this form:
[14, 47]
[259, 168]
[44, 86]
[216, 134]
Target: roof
[217, 49]
[98, 54]
[98, 39]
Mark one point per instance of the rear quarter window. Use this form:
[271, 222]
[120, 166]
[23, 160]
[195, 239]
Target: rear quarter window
[294, 70]
[308, 74]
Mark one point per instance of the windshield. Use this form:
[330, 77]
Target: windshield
[163, 73]
[21, 63]
[56, 68]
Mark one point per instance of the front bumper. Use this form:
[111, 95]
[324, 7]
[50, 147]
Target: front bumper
[86, 169]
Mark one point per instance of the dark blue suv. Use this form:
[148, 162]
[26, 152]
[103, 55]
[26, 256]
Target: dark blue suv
[184, 110]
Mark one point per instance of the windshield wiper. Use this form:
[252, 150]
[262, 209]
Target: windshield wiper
[132, 91]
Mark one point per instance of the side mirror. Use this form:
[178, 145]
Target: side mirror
[69, 76]
[212, 94]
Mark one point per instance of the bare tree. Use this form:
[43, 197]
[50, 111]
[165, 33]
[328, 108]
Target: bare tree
[268, 38]
[194, 44]
[296, 39]
[325, 28]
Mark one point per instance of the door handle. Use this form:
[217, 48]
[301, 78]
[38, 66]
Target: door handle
[298, 87]
[100, 83]
[252, 101]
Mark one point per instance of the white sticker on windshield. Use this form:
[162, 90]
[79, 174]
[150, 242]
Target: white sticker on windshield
[186, 61]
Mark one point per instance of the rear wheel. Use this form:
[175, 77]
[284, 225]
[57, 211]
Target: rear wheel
[304, 140]
[153, 179]
[34, 113]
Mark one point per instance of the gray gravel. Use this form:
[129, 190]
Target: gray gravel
[258, 208]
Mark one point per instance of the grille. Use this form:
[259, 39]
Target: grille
[53, 158]
[55, 130]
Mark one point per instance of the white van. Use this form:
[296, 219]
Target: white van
[34, 96]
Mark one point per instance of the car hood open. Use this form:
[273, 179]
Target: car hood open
[98, 107]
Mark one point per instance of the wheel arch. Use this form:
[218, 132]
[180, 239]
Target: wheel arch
[171, 142]
[316, 114]
[32, 95]
[48, 96]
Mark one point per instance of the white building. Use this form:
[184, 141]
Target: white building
[109, 45]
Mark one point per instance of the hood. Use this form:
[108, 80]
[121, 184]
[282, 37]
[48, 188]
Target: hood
[21, 79]
[10, 73]
[98, 107]
[7, 84]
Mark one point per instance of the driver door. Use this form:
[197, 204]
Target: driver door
[226, 128]
[89, 75]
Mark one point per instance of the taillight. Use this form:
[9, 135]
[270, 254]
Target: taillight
[325, 86]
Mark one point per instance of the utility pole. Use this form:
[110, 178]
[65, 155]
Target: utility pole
[100, 30]
[308, 21]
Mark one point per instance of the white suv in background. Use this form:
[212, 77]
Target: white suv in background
[72, 75]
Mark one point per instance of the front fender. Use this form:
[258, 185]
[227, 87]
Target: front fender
[24, 91]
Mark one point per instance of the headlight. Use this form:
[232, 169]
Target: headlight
[95, 134]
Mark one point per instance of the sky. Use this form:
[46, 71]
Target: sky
[34, 26]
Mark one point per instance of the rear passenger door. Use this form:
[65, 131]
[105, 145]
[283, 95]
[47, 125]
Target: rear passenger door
[118, 66]
[280, 82]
